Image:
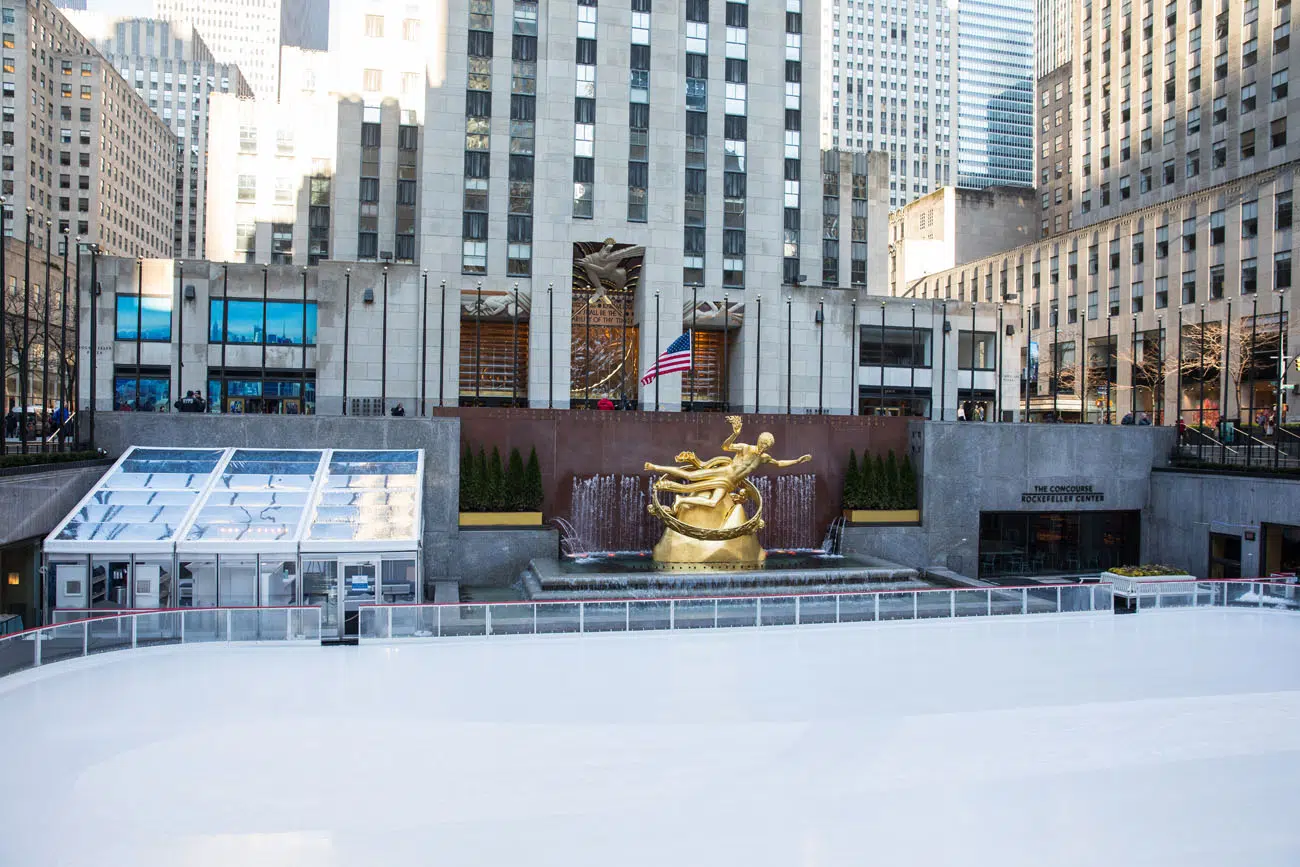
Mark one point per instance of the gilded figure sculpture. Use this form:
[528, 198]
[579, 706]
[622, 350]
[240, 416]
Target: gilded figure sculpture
[707, 522]
[605, 269]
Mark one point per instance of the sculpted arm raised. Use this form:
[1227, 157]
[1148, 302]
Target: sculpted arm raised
[780, 464]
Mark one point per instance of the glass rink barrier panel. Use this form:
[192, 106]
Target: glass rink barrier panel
[101, 634]
[380, 622]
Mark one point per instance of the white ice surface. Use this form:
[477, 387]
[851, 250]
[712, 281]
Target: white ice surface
[1163, 739]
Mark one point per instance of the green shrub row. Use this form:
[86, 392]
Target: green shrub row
[1147, 571]
[879, 483]
[486, 487]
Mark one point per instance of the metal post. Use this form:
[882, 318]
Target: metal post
[1281, 376]
[45, 331]
[180, 327]
[725, 391]
[1227, 381]
[478, 342]
[657, 344]
[27, 322]
[383, 357]
[225, 329]
[1179, 397]
[1200, 422]
[1081, 352]
[972, 352]
[1132, 380]
[789, 350]
[997, 368]
[943, 368]
[261, 387]
[1056, 365]
[1108, 356]
[881, 403]
[347, 325]
[758, 349]
[63, 338]
[302, 410]
[442, 342]
[622, 353]
[424, 340]
[911, 364]
[550, 337]
[1254, 350]
[514, 349]
[94, 328]
[139, 326]
[695, 306]
[821, 350]
[1159, 397]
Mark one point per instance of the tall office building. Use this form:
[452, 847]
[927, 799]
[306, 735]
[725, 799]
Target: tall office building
[243, 32]
[1054, 74]
[170, 66]
[887, 85]
[995, 93]
[1172, 294]
[80, 147]
[1053, 36]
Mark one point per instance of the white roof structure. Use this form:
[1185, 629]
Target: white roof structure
[257, 501]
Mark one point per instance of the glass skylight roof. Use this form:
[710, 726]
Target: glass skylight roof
[228, 500]
[369, 496]
[144, 498]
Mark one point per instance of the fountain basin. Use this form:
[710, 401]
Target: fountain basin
[626, 575]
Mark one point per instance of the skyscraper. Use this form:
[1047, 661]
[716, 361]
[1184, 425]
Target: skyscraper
[243, 32]
[995, 93]
[886, 85]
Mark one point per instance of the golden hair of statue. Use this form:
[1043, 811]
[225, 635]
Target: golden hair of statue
[706, 522]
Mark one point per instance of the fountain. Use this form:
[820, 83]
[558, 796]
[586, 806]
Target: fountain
[709, 542]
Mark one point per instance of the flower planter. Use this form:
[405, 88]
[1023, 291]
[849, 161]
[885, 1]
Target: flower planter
[1127, 587]
[501, 519]
[882, 516]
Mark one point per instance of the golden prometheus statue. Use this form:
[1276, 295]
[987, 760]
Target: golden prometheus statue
[706, 522]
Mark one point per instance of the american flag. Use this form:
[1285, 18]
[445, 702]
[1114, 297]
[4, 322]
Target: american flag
[675, 359]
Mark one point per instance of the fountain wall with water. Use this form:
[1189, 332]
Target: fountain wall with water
[609, 513]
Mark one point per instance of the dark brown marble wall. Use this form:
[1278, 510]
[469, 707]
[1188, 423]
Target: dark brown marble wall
[586, 442]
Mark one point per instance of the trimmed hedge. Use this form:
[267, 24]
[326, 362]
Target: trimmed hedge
[40, 458]
[487, 486]
[880, 483]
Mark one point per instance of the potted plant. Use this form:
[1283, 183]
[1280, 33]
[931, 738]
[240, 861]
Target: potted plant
[881, 490]
[496, 496]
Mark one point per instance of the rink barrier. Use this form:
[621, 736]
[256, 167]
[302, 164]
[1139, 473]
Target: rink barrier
[437, 620]
[87, 636]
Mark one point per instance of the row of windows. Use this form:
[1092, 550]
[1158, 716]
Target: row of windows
[584, 133]
[478, 121]
[275, 323]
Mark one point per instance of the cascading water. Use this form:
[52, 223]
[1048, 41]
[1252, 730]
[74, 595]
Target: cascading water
[609, 513]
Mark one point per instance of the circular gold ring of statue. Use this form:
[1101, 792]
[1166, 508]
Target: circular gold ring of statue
[752, 525]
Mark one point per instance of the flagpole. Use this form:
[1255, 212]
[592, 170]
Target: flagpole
[657, 345]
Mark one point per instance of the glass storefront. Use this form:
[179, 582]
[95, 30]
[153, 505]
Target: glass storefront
[148, 392]
[1281, 550]
[247, 394]
[1025, 544]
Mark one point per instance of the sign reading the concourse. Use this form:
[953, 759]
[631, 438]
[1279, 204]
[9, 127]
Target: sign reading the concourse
[1063, 494]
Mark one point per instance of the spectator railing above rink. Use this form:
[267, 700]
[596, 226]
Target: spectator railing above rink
[384, 622]
[98, 634]
[1220, 592]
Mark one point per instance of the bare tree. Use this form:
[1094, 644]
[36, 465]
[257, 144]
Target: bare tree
[38, 332]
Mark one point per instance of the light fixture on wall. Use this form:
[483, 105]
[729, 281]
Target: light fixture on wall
[189, 292]
[368, 297]
[13, 579]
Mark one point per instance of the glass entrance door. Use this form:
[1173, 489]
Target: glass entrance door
[357, 584]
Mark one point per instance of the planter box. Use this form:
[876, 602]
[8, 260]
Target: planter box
[882, 516]
[501, 519]
[1128, 587]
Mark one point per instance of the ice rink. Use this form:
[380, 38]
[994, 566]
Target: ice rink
[1166, 738]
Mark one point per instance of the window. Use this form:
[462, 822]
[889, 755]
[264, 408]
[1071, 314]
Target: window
[247, 188]
[1247, 98]
[1248, 276]
[1282, 37]
[1139, 250]
[1279, 85]
[1277, 133]
[151, 313]
[411, 29]
[1169, 171]
[1092, 304]
[243, 322]
[1136, 295]
[1282, 210]
[372, 80]
[1249, 53]
[1219, 157]
[897, 347]
[1189, 287]
[1220, 109]
[375, 26]
[1162, 292]
[1189, 235]
[1249, 219]
[1193, 163]
[1216, 228]
[982, 347]
[1216, 282]
[1162, 242]
[85, 91]
[1282, 270]
[1247, 144]
[1112, 300]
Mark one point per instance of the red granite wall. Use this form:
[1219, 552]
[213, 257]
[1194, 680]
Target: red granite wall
[587, 442]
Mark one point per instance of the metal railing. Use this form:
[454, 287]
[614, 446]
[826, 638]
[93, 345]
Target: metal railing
[1226, 592]
[384, 622]
[43, 645]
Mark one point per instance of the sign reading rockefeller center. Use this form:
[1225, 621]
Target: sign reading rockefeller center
[1063, 494]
